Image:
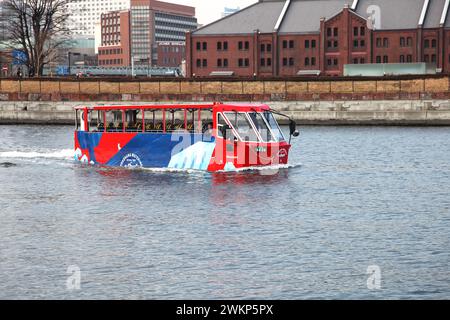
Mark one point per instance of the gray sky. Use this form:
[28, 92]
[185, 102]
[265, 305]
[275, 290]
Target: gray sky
[209, 10]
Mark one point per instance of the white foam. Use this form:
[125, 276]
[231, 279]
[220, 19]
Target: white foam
[60, 154]
[264, 168]
[162, 170]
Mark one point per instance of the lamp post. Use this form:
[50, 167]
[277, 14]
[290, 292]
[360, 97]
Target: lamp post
[68, 69]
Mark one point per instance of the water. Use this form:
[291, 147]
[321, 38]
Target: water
[353, 197]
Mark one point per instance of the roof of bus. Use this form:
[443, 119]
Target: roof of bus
[221, 106]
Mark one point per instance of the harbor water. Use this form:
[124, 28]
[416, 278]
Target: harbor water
[360, 213]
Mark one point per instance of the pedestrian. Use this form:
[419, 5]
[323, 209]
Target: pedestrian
[19, 73]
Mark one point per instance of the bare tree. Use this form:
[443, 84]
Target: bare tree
[39, 29]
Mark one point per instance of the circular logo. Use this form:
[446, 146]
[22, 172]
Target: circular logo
[282, 153]
[131, 160]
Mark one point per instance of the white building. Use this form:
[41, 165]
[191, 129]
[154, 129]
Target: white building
[85, 14]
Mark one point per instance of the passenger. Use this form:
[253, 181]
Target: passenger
[207, 134]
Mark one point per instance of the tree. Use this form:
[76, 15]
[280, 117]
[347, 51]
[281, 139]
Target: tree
[39, 29]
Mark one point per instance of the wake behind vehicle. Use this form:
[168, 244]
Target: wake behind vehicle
[212, 137]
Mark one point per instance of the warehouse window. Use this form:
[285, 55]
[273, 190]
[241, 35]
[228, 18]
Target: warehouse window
[378, 42]
[409, 42]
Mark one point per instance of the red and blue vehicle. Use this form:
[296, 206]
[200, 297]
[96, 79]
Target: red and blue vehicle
[212, 137]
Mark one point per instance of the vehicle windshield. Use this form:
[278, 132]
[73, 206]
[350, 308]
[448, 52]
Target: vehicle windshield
[274, 126]
[242, 125]
[261, 127]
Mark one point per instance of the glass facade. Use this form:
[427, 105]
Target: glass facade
[140, 35]
[169, 27]
[148, 27]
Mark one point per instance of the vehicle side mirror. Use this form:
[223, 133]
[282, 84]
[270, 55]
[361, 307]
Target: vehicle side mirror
[293, 128]
[296, 133]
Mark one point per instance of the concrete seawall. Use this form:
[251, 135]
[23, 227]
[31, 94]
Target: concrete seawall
[423, 88]
[380, 101]
[380, 112]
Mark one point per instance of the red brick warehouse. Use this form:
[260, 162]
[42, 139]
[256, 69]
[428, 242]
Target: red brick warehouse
[292, 37]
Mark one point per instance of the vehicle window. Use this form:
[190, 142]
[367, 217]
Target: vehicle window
[242, 126]
[114, 121]
[95, 121]
[274, 126]
[201, 120]
[77, 121]
[133, 120]
[220, 123]
[175, 120]
[153, 120]
[261, 126]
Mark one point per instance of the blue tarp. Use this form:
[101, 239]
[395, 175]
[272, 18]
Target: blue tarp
[19, 57]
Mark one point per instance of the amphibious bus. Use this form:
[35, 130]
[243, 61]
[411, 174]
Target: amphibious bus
[212, 137]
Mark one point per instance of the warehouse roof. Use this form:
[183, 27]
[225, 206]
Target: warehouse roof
[262, 15]
[303, 16]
